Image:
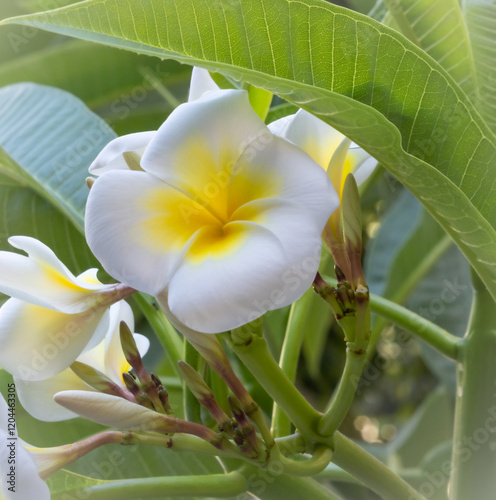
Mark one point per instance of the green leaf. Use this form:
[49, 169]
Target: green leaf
[481, 23]
[407, 245]
[98, 75]
[48, 139]
[22, 212]
[438, 28]
[363, 78]
[65, 480]
[444, 297]
[412, 261]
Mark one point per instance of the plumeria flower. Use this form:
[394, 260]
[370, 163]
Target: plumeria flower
[53, 315]
[107, 357]
[225, 217]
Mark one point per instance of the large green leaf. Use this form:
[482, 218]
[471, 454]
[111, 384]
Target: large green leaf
[365, 79]
[411, 261]
[437, 26]
[480, 17]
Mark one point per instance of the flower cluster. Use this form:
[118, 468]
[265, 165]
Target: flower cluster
[216, 214]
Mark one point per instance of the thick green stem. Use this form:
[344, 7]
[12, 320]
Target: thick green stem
[349, 456]
[474, 441]
[190, 403]
[371, 472]
[290, 354]
[434, 335]
[340, 404]
[260, 362]
[293, 488]
[215, 485]
[165, 332]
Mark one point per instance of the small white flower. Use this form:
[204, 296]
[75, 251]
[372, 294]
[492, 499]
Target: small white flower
[226, 217]
[52, 315]
[107, 357]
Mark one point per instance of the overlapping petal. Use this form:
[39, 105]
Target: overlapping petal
[268, 265]
[311, 134]
[279, 170]
[198, 146]
[139, 226]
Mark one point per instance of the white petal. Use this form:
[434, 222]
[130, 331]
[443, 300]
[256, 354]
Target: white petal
[283, 171]
[138, 227]
[219, 290]
[201, 82]
[37, 396]
[365, 169]
[27, 484]
[200, 142]
[279, 127]
[43, 280]
[108, 410]
[110, 158]
[315, 137]
[115, 361]
[37, 343]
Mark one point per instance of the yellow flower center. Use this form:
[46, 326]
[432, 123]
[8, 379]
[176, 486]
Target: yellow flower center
[206, 203]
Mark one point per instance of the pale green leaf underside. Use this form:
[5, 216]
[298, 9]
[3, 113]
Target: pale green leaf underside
[48, 140]
[359, 76]
[437, 26]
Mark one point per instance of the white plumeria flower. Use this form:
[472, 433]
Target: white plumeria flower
[328, 147]
[226, 215]
[52, 315]
[107, 357]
